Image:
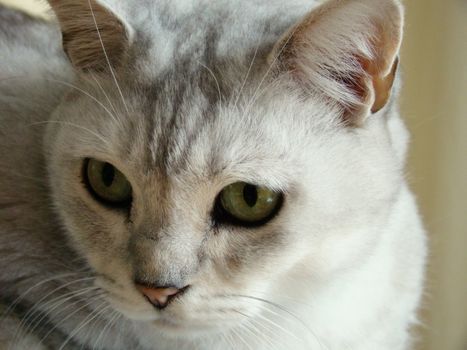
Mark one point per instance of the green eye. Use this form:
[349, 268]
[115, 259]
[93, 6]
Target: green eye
[107, 183]
[249, 204]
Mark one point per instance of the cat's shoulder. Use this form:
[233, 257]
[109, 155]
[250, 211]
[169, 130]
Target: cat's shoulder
[21, 30]
[30, 47]
[32, 61]
[34, 74]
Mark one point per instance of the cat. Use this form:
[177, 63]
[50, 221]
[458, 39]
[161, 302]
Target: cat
[206, 175]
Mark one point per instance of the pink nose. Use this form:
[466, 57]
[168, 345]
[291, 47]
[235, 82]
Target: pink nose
[159, 297]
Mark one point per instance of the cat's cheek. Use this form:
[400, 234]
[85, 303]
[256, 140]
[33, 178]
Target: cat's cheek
[97, 235]
[91, 234]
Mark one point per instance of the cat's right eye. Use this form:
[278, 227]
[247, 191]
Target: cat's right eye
[106, 183]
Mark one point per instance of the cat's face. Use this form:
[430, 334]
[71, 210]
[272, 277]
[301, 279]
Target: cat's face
[179, 141]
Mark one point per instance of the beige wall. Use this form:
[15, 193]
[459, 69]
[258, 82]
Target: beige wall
[434, 103]
[36, 7]
[435, 106]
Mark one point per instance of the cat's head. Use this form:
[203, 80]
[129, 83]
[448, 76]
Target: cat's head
[220, 156]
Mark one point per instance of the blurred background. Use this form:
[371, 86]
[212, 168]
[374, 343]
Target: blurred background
[434, 104]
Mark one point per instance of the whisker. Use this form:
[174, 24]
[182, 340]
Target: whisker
[17, 174]
[251, 321]
[35, 307]
[96, 313]
[215, 79]
[56, 290]
[23, 295]
[273, 62]
[283, 309]
[277, 325]
[86, 93]
[106, 96]
[257, 335]
[107, 57]
[115, 317]
[249, 71]
[106, 142]
[289, 298]
[57, 302]
[227, 340]
[280, 307]
[253, 100]
[68, 316]
[239, 336]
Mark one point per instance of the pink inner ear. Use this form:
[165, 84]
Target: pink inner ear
[358, 85]
[382, 87]
[347, 51]
[384, 66]
[373, 79]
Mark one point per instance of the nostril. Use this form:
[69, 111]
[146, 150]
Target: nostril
[159, 297]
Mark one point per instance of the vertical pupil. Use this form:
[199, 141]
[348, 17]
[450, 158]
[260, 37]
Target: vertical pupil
[250, 195]
[108, 174]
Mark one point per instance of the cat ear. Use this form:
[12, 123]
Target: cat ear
[88, 27]
[346, 50]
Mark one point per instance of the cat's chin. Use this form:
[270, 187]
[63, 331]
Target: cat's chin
[177, 329]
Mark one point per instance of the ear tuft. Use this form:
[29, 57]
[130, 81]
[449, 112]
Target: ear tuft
[87, 28]
[345, 50]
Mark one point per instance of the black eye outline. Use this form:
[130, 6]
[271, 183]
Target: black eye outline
[125, 205]
[221, 216]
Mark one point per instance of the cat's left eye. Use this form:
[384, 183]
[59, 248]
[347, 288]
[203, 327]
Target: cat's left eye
[246, 204]
[106, 183]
